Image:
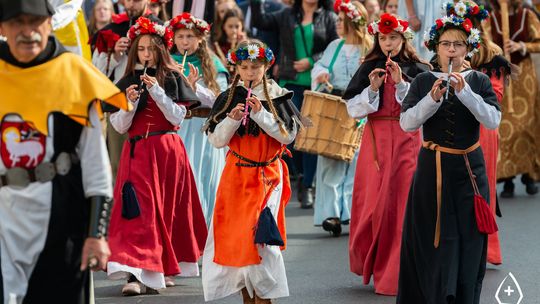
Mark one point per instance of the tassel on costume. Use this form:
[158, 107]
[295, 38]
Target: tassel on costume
[130, 203]
[267, 232]
[484, 217]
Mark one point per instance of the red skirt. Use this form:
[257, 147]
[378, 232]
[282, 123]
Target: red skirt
[171, 227]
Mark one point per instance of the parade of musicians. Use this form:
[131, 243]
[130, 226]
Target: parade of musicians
[269, 151]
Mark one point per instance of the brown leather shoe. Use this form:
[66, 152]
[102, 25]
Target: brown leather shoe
[245, 296]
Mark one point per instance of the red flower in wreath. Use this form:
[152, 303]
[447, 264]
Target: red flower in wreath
[467, 25]
[404, 24]
[144, 26]
[475, 10]
[387, 23]
[439, 23]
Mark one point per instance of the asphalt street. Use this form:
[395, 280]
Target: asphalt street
[318, 265]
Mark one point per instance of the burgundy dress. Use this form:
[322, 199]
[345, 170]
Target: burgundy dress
[380, 194]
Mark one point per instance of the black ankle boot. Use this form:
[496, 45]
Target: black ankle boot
[308, 197]
[530, 187]
[508, 189]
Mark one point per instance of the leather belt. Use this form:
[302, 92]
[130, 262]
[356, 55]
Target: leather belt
[198, 112]
[375, 118]
[44, 172]
[252, 163]
[438, 149]
[133, 140]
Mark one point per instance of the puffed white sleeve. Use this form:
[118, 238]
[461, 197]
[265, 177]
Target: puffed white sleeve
[206, 96]
[268, 123]
[223, 132]
[95, 165]
[416, 116]
[121, 119]
[363, 104]
[173, 112]
[485, 113]
[100, 61]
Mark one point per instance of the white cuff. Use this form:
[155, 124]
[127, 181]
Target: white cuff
[121, 120]
[402, 89]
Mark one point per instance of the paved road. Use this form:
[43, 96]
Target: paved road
[318, 268]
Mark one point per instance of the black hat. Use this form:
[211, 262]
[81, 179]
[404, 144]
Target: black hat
[13, 8]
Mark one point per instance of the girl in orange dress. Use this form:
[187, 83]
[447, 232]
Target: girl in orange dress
[256, 119]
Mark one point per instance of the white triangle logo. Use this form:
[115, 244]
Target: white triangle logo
[509, 291]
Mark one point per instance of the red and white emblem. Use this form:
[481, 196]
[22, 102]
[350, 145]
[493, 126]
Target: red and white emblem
[21, 145]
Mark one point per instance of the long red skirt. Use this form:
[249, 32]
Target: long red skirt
[379, 201]
[171, 228]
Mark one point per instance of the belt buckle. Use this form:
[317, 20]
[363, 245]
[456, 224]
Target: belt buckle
[62, 163]
[17, 177]
[45, 172]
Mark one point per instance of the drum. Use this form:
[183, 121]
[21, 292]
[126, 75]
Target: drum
[334, 133]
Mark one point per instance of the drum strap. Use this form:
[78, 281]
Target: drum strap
[374, 145]
[333, 61]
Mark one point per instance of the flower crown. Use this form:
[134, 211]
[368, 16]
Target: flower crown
[251, 52]
[389, 23]
[350, 11]
[144, 26]
[431, 38]
[188, 21]
[465, 10]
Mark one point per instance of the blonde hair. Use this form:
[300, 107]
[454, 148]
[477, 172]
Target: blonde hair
[92, 24]
[207, 63]
[234, 84]
[361, 36]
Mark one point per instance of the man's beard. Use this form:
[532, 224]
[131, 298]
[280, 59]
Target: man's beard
[135, 14]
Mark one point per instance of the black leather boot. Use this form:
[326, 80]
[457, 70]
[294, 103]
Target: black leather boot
[308, 197]
[508, 189]
[530, 187]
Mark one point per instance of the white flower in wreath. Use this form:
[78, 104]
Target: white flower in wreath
[375, 27]
[471, 53]
[167, 23]
[229, 58]
[160, 29]
[137, 32]
[446, 20]
[443, 8]
[461, 9]
[136, 25]
[427, 37]
[183, 21]
[408, 34]
[253, 51]
[189, 25]
[474, 36]
[399, 28]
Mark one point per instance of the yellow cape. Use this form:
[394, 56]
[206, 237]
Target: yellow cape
[67, 84]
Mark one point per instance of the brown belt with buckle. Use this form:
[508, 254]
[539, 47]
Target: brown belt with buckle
[202, 112]
[44, 172]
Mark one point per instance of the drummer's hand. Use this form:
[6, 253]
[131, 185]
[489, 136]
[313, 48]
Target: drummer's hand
[255, 104]
[459, 84]
[395, 71]
[237, 112]
[436, 92]
[322, 78]
[376, 80]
